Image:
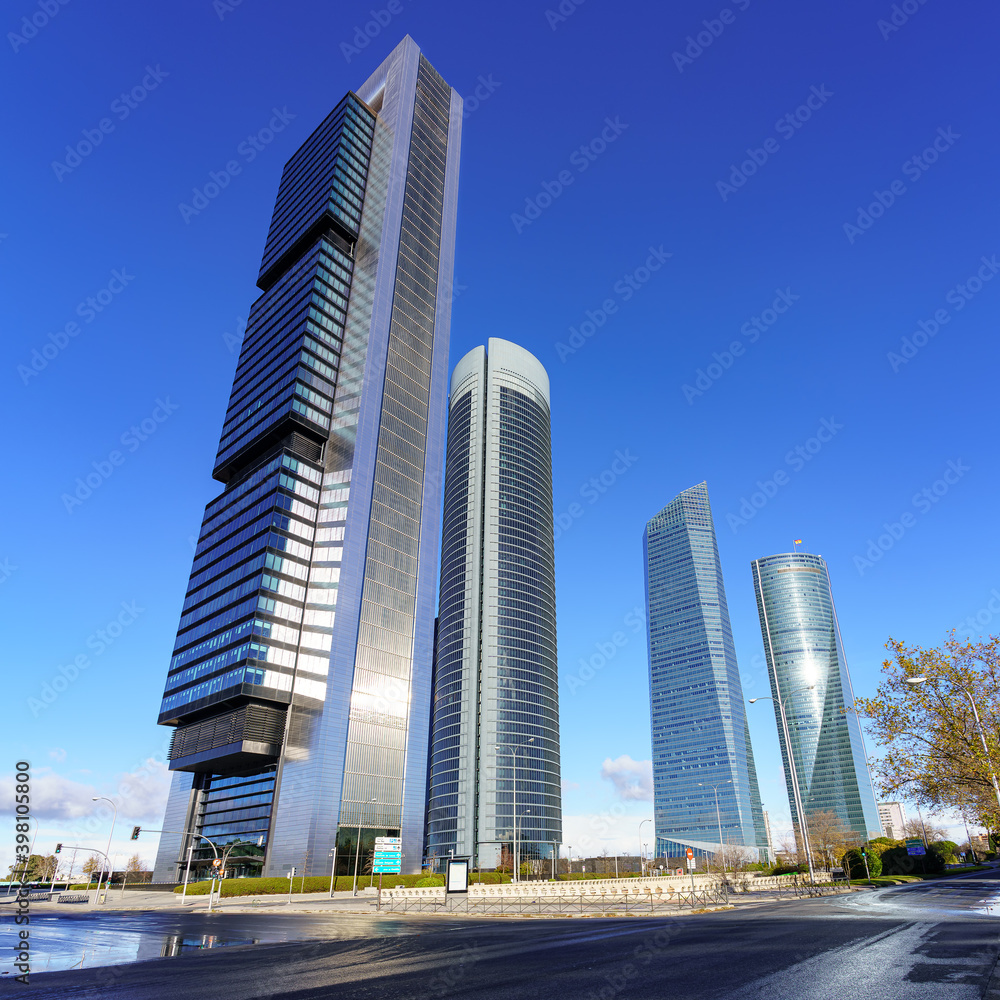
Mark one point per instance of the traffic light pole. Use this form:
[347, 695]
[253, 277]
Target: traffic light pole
[200, 836]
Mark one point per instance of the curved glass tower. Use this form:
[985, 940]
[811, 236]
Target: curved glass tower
[701, 742]
[494, 752]
[808, 669]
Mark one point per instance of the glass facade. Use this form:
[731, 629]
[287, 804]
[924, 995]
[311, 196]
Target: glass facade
[701, 740]
[495, 702]
[300, 680]
[808, 669]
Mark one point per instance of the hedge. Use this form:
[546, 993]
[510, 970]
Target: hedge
[319, 883]
[896, 861]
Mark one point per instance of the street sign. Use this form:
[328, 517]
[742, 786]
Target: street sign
[690, 864]
[689, 854]
[388, 858]
[915, 847]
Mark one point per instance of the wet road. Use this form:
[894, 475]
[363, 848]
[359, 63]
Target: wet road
[929, 941]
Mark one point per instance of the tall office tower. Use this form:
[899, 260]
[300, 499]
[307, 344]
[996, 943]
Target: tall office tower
[701, 742]
[893, 817]
[808, 671]
[495, 723]
[300, 681]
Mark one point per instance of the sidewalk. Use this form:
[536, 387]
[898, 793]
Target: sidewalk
[310, 902]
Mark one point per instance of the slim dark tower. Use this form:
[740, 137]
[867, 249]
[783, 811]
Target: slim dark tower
[300, 681]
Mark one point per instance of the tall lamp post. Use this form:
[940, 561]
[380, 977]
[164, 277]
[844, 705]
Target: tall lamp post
[513, 756]
[642, 865]
[917, 681]
[718, 818]
[803, 825]
[357, 849]
[114, 819]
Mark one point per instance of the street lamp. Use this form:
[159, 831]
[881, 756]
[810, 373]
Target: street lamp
[718, 817]
[803, 825]
[513, 757]
[642, 867]
[916, 681]
[357, 849]
[114, 818]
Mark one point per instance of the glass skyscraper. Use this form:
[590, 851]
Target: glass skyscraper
[495, 707]
[299, 686]
[701, 741]
[808, 669]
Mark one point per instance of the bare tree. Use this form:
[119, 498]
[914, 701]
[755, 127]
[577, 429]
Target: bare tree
[829, 837]
[914, 828]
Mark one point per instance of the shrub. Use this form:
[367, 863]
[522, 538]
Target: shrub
[879, 845]
[431, 881]
[947, 849]
[854, 864]
[896, 861]
[789, 870]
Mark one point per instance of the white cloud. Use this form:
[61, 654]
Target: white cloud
[614, 831]
[57, 753]
[632, 779]
[140, 794]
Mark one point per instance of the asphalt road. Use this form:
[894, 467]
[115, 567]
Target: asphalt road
[929, 941]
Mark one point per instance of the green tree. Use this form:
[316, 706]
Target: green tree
[40, 868]
[927, 733]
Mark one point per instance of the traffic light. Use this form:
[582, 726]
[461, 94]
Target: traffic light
[135, 832]
[58, 848]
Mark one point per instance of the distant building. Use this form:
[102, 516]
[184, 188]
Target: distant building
[767, 834]
[893, 817]
[704, 776]
[808, 671]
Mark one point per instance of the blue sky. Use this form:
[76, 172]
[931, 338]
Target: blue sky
[611, 165]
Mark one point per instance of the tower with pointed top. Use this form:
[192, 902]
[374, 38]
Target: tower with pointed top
[701, 740]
